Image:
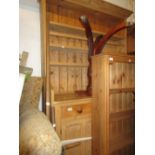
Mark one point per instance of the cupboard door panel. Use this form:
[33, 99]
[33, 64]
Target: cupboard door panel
[87, 132]
[70, 130]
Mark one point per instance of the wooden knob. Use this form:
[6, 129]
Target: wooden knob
[80, 110]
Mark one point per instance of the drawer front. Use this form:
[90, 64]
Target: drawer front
[75, 110]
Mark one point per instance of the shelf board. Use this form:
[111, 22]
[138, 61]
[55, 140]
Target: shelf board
[121, 115]
[78, 30]
[121, 90]
[68, 47]
[121, 59]
[98, 8]
[122, 143]
[66, 26]
[67, 35]
[68, 64]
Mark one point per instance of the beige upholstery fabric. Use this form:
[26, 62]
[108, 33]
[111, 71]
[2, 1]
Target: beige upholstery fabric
[31, 91]
[36, 134]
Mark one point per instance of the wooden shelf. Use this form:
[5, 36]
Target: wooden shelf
[122, 143]
[123, 114]
[67, 35]
[76, 32]
[99, 8]
[68, 64]
[121, 59]
[121, 90]
[71, 98]
[66, 26]
[68, 47]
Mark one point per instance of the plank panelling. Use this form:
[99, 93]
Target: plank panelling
[76, 19]
[84, 78]
[121, 129]
[70, 15]
[63, 42]
[54, 78]
[54, 56]
[78, 43]
[85, 58]
[71, 80]
[127, 72]
[124, 101]
[113, 76]
[71, 58]
[70, 42]
[63, 56]
[124, 76]
[62, 15]
[54, 39]
[130, 75]
[133, 75]
[127, 150]
[78, 80]
[54, 15]
[119, 80]
[121, 102]
[84, 44]
[79, 57]
[63, 80]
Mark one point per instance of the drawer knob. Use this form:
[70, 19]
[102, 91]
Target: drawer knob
[79, 110]
[69, 109]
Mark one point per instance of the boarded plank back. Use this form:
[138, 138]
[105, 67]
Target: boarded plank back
[54, 78]
[63, 79]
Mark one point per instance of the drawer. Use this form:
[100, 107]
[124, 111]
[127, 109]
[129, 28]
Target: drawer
[75, 110]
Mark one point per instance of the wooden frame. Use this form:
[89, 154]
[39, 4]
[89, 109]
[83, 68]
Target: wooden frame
[113, 108]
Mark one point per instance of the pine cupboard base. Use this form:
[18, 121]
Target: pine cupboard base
[113, 114]
[73, 120]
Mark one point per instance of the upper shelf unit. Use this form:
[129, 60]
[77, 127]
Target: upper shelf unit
[66, 30]
[102, 9]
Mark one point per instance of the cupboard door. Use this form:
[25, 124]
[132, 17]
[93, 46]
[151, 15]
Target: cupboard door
[70, 130]
[87, 132]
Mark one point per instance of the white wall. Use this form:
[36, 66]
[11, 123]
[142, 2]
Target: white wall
[127, 4]
[121, 3]
[29, 35]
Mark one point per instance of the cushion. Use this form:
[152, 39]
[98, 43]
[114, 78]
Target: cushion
[37, 136]
[31, 91]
